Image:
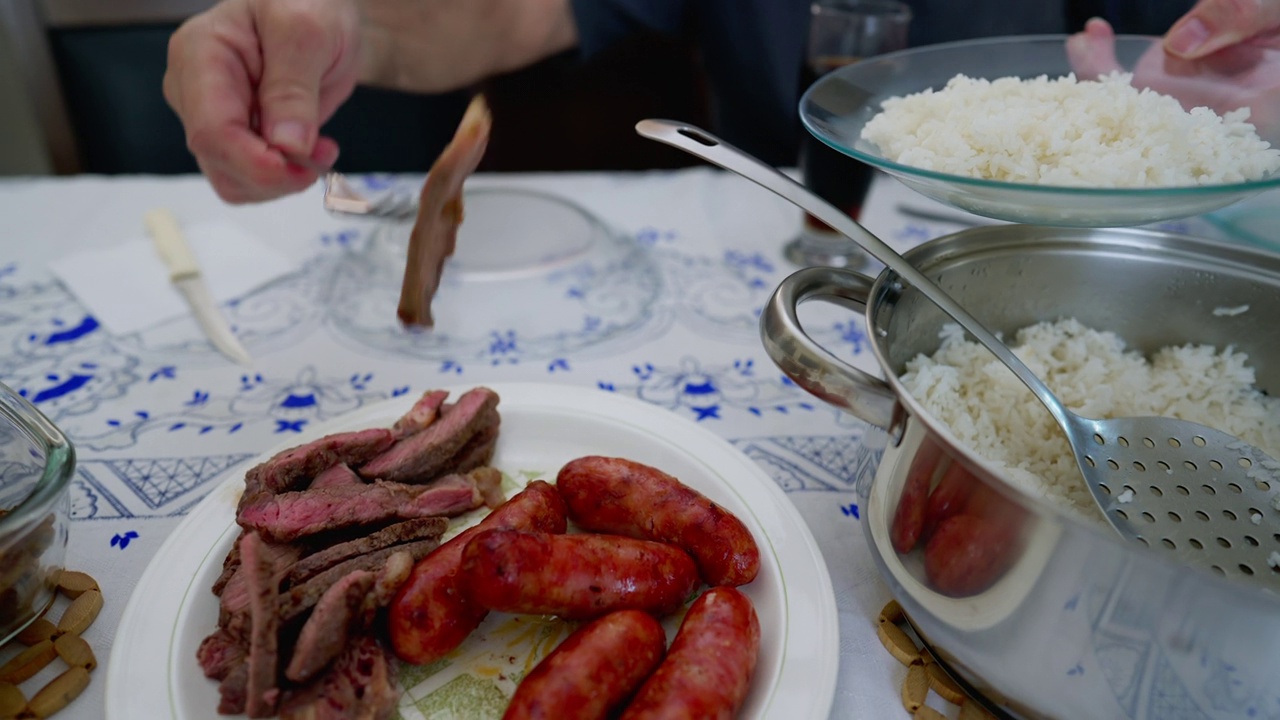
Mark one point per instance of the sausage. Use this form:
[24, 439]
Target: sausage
[623, 497]
[909, 518]
[967, 554]
[708, 669]
[575, 577]
[593, 672]
[951, 497]
[429, 616]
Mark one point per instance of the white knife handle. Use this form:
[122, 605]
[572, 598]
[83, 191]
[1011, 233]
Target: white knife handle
[171, 245]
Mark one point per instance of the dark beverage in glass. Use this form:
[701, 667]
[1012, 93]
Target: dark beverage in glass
[834, 176]
[841, 32]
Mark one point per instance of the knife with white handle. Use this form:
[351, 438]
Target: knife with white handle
[184, 273]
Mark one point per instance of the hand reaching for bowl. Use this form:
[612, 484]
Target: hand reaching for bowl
[1235, 65]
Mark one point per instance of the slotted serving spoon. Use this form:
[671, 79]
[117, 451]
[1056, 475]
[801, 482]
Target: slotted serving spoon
[1205, 495]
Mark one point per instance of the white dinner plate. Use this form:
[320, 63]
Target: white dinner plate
[153, 671]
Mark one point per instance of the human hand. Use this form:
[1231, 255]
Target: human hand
[253, 81]
[1213, 25]
[1245, 74]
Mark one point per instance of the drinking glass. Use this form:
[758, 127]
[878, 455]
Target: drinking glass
[840, 32]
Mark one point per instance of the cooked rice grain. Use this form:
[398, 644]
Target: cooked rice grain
[1064, 132]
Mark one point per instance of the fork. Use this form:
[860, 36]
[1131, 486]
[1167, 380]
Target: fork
[341, 198]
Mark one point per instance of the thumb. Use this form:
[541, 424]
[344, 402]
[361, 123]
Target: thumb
[297, 51]
[1215, 24]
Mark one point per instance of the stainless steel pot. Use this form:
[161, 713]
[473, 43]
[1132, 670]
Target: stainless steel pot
[1044, 613]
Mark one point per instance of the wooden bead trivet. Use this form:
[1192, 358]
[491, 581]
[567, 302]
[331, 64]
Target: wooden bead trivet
[45, 641]
[923, 672]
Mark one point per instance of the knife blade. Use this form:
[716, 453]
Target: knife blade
[185, 276]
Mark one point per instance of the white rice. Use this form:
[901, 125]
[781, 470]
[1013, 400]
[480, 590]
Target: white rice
[1064, 132]
[988, 409]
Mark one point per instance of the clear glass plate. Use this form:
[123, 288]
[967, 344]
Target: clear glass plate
[838, 105]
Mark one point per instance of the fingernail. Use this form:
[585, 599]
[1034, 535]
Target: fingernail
[290, 135]
[1188, 37]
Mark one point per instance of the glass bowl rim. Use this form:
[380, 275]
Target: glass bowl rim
[914, 173]
[59, 461]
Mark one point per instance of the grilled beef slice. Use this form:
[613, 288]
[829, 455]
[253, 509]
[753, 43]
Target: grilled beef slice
[219, 654]
[262, 694]
[230, 564]
[300, 598]
[288, 516]
[234, 689]
[435, 230]
[326, 630]
[395, 572]
[479, 449]
[291, 469]
[336, 476]
[428, 528]
[359, 686]
[234, 602]
[424, 455]
[423, 413]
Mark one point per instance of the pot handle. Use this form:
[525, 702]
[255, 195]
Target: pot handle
[806, 362]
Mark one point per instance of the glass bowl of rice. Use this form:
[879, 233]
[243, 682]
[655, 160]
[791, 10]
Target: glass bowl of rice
[1021, 129]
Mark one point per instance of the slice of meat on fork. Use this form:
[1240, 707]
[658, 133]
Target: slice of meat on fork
[435, 231]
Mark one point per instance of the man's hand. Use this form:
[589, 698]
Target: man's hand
[252, 82]
[1213, 25]
[1240, 75]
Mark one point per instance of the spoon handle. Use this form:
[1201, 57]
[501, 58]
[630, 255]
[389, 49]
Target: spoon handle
[702, 144]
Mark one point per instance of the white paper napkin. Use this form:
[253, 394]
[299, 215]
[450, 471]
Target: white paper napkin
[126, 287]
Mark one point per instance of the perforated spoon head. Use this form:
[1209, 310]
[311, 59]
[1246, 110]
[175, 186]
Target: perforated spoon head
[1206, 496]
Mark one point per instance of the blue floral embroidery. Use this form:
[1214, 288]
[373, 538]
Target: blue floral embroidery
[296, 426]
[122, 541]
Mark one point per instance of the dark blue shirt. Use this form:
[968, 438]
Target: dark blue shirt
[752, 50]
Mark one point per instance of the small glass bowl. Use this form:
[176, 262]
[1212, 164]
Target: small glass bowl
[36, 465]
[838, 105]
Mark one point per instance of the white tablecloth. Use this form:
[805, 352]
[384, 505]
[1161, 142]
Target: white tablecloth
[158, 416]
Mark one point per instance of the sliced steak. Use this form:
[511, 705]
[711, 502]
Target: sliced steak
[478, 451]
[337, 476]
[326, 630]
[233, 690]
[299, 598]
[230, 564]
[219, 654]
[423, 455]
[423, 413]
[234, 601]
[262, 694]
[359, 686]
[394, 573]
[435, 231]
[428, 528]
[292, 515]
[291, 469]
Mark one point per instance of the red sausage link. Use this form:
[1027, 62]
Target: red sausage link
[593, 671]
[950, 497]
[909, 518]
[967, 554]
[708, 670]
[624, 497]
[575, 577]
[430, 616]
